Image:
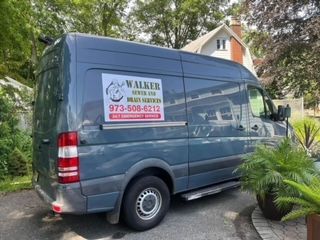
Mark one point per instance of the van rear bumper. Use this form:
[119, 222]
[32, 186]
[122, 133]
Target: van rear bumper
[68, 199]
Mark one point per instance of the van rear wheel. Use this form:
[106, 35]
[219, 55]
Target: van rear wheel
[146, 203]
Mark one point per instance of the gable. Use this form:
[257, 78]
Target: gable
[196, 45]
[211, 46]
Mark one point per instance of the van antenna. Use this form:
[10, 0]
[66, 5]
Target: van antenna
[46, 40]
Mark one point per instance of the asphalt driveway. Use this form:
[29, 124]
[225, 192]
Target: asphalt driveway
[222, 216]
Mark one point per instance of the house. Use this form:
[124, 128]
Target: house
[25, 110]
[224, 42]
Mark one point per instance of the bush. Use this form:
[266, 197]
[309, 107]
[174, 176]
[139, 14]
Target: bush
[308, 200]
[17, 164]
[14, 143]
[264, 170]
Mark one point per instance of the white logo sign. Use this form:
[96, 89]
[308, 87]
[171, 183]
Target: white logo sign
[132, 98]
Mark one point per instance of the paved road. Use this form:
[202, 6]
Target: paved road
[223, 216]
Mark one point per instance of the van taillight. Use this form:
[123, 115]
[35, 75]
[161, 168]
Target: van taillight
[68, 159]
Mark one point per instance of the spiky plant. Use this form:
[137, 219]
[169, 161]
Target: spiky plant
[264, 170]
[307, 132]
[308, 200]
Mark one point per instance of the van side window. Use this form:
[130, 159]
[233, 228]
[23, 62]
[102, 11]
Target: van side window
[217, 109]
[261, 105]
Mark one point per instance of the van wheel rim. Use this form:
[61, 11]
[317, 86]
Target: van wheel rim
[148, 203]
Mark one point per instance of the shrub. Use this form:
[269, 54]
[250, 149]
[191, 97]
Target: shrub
[17, 164]
[308, 200]
[264, 170]
[11, 137]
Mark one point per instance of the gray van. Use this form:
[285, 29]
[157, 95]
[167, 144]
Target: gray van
[119, 127]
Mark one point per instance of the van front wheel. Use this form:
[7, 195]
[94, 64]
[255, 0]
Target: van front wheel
[146, 203]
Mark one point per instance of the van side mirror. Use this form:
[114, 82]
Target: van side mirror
[283, 112]
[287, 111]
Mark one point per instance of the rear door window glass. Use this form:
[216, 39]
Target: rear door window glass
[214, 107]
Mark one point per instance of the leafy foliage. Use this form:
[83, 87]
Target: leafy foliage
[10, 136]
[172, 23]
[17, 164]
[292, 53]
[101, 17]
[23, 21]
[308, 199]
[264, 170]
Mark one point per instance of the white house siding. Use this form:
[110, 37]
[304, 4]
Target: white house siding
[210, 48]
[247, 61]
[207, 45]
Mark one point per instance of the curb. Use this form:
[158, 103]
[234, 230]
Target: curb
[262, 226]
[276, 230]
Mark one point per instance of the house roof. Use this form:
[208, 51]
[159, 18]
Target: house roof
[196, 45]
[8, 81]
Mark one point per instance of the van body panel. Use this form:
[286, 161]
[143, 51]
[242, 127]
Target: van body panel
[217, 122]
[102, 202]
[207, 123]
[196, 65]
[102, 161]
[68, 196]
[152, 64]
[97, 43]
[107, 154]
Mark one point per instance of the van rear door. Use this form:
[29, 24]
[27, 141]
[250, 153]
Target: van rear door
[45, 124]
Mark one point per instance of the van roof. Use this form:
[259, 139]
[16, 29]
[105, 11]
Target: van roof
[87, 41]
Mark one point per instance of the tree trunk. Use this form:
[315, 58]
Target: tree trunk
[34, 57]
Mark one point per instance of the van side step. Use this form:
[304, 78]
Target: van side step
[210, 190]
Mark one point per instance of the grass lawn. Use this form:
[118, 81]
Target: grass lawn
[15, 184]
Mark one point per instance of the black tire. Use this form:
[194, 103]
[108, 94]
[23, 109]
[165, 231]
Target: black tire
[145, 193]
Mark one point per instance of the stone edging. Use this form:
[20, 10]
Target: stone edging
[274, 230]
[262, 226]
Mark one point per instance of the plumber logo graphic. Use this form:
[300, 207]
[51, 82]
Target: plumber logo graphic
[115, 91]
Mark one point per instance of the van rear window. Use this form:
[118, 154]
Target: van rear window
[46, 97]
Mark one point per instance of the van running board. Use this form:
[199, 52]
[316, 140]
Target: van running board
[210, 190]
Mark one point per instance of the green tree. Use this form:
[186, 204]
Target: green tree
[292, 53]
[172, 23]
[101, 17]
[13, 37]
[23, 21]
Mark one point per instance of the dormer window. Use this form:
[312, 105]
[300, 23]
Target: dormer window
[221, 44]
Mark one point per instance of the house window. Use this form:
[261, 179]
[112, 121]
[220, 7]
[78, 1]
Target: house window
[221, 44]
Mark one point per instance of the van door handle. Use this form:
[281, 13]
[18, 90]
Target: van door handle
[241, 128]
[45, 141]
[255, 127]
